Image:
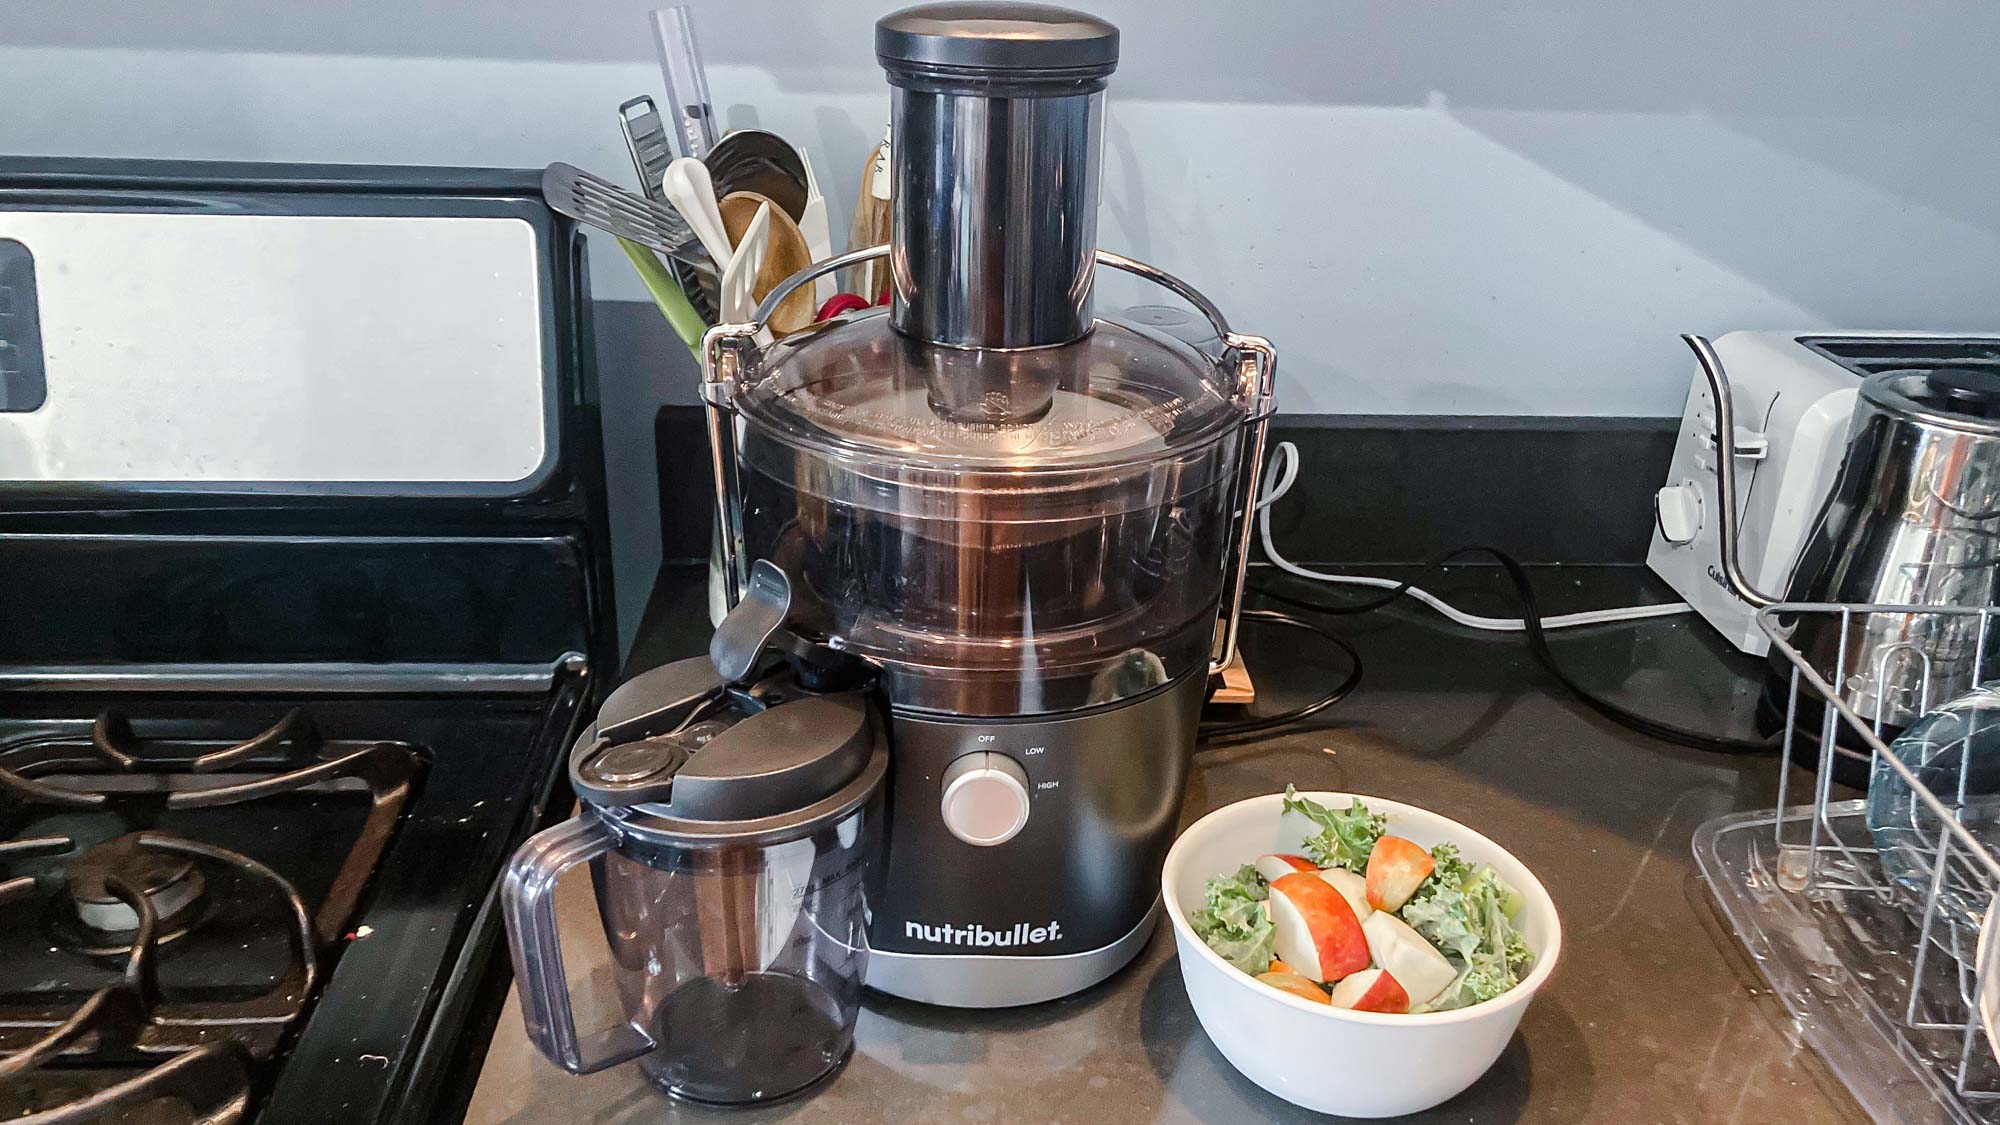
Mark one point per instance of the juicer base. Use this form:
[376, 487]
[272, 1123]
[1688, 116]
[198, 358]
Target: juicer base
[965, 980]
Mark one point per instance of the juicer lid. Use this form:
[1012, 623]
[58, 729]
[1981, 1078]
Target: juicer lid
[1120, 394]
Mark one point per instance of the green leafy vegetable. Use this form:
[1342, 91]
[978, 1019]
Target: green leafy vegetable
[1345, 836]
[1483, 979]
[1232, 921]
[1468, 913]
[1447, 867]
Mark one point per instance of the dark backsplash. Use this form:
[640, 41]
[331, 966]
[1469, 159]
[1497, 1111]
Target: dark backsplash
[1374, 488]
[1407, 488]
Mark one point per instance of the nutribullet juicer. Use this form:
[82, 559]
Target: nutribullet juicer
[1030, 519]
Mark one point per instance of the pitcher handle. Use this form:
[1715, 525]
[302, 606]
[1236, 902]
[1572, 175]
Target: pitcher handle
[527, 901]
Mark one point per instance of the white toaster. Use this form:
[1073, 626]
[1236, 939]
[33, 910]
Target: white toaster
[1793, 399]
[1794, 396]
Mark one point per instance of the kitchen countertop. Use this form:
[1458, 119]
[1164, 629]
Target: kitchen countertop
[1654, 1013]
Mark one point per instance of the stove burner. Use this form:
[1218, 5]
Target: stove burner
[209, 1075]
[169, 882]
[388, 769]
[108, 886]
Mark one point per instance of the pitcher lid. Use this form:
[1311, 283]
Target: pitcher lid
[677, 756]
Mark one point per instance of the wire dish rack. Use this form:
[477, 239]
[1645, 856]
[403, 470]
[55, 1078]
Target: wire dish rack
[1883, 976]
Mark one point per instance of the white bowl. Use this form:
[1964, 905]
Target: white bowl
[1355, 1064]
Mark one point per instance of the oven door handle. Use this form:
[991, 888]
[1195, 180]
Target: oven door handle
[527, 901]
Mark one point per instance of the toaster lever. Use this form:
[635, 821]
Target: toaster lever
[1750, 444]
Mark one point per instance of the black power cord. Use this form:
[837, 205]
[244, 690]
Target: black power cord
[1538, 645]
[1213, 730]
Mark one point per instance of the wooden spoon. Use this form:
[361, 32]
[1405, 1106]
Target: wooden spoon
[871, 227]
[784, 255]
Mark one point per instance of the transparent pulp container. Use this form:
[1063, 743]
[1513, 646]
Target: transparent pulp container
[1002, 531]
[737, 944]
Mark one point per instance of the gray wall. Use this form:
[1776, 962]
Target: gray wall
[1433, 208]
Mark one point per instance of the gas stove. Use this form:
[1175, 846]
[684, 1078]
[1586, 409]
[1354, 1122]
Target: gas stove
[185, 877]
[275, 709]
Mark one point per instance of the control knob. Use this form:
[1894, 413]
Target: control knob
[1677, 509]
[985, 798]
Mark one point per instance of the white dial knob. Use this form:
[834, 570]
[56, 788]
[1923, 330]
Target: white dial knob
[985, 798]
[1677, 509]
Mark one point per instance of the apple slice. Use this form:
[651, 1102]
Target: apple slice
[1371, 990]
[1395, 869]
[1296, 985]
[1276, 867]
[1352, 887]
[1404, 954]
[1314, 930]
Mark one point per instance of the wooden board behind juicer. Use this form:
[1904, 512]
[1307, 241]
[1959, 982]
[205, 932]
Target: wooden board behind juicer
[1236, 687]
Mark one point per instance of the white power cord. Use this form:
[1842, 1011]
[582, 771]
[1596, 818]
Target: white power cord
[1284, 471]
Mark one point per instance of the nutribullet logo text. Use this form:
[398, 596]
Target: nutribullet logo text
[979, 936]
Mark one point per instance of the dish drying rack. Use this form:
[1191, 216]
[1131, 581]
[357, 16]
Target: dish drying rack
[1884, 984]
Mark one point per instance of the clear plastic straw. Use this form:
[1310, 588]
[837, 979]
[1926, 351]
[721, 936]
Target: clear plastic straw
[691, 117]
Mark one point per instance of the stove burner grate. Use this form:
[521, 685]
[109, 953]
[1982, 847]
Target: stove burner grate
[113, 743]
[389, 770]
[129, 895]
[210, 1075]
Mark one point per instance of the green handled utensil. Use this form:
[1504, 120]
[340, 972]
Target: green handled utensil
[667, 294]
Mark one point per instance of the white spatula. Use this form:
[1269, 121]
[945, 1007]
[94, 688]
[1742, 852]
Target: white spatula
[692, 193]
[819, 235]
[738, 302]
